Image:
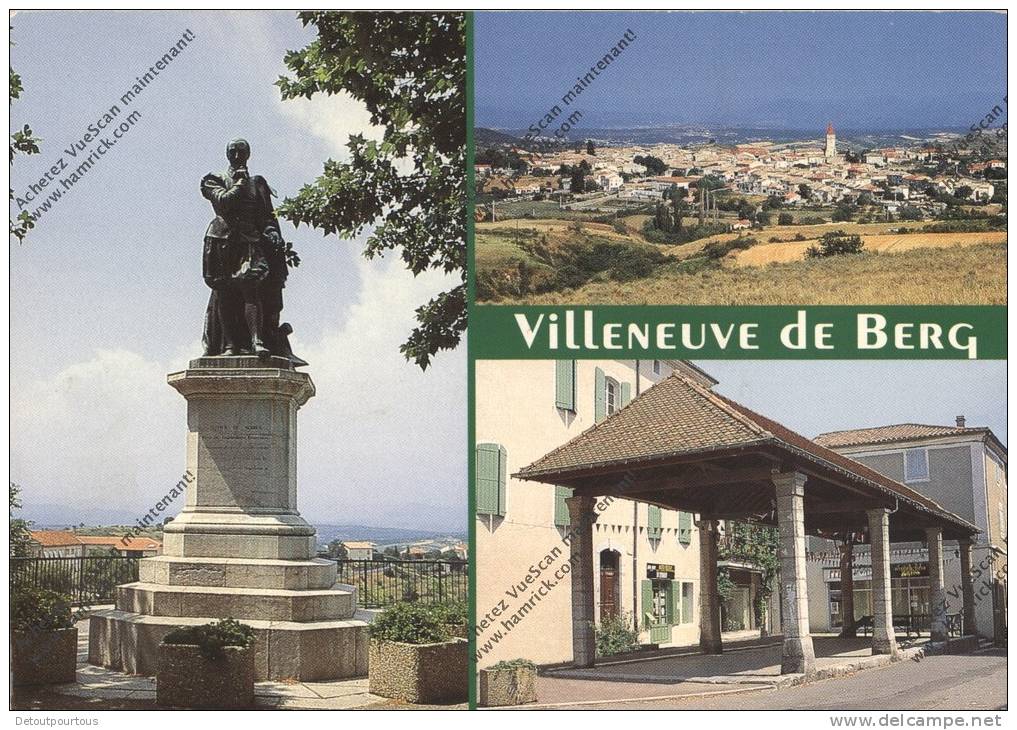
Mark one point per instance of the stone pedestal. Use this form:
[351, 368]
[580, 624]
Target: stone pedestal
[239, 548]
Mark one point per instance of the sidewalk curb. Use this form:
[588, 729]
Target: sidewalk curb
[655, 698]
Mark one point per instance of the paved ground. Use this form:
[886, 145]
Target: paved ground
[942, 682]
[99, 688]
[749, 663]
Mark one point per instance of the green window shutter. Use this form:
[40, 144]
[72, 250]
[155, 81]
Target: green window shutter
[653, 529]
[626, 394]
[490, 490]
[646, 588]
[685, 527]
[565, 384]
[561, 510]
[674, 589]
[599, 396]
[687, 603]
[502, 479]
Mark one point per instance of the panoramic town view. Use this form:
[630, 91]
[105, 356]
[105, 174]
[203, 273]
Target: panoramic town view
[756, 222]
[799, 182]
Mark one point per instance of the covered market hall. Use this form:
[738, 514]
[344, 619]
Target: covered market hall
[682, 446]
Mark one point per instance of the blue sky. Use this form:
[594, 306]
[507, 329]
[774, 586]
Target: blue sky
[793, 70]
[831, 395]
[107, 296]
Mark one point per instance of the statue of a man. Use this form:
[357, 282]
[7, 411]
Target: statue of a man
[244, 264]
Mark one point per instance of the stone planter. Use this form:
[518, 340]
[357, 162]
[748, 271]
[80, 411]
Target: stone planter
[187, 679]
[419, 673]
[504, 687]
[44, 657]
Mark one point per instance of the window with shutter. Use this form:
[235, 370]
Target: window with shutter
[653, 528]
[565, 384]
[561, 510]
[490, 479]
[685, 528]
[626, 394]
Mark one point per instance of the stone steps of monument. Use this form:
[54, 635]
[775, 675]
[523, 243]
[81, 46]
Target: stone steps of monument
[314, 651]
[311, 574]
[212, 602]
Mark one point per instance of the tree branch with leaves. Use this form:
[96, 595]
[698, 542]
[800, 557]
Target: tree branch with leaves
[409, 188]
[22, 142]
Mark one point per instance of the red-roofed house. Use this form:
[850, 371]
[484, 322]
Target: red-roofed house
[55, 544]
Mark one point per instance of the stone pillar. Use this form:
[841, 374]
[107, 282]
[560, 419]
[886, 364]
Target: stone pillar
[847, 587]
[883, 639]
[584, 639]
[937, 587]
[798, 656]
[709, 599]
[239, 548]
[967, 588]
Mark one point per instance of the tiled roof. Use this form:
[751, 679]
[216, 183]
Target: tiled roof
[120, 542]
[678, 417]
[674, 416]
[55, 538]
[887, 434]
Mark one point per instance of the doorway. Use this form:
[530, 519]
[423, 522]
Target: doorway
[610, 584]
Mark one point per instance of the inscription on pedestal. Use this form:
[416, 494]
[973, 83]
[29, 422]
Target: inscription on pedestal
[242, 455]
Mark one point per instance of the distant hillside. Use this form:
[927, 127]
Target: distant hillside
[380, 535]
[485, 136]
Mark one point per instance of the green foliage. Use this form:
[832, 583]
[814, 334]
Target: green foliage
[996, 223]
[587, 256]
[615, 635]
[653, 165]
[513, 664]
[22, 142]
[410, 623]
[40, 609]
[757, 545]
[20, 535]
[785, 219]
[452, 613]
[685, 234]
[408, 191]
[813, 220]
[836, 243]
[212, 638]
[720, 249]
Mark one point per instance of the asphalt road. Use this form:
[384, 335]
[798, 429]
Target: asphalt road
[955, 682]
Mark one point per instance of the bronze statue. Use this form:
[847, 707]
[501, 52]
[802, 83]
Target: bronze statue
[245, 264]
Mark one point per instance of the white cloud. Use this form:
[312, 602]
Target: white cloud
[105, 431]
[332, 119]
[381, 435]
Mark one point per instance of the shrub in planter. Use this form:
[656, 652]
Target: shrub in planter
[44, 642]
[454, 616]
[208, 666]
[414, 657]
[512, 682]
[615, 635]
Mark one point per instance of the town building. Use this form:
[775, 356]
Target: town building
[55, 544]
[359, 550]
[604, 490]
[68, 544]
[964, 469]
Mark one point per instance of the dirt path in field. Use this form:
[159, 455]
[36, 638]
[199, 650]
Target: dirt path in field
[766, 253]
